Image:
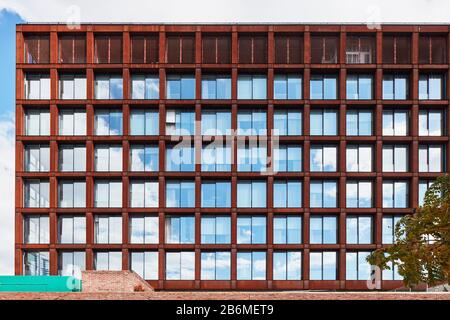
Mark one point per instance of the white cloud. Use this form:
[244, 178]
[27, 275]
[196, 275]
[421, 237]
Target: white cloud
[7, 195]
[363, 11]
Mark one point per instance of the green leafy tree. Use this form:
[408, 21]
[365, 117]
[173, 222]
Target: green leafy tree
[421, 248]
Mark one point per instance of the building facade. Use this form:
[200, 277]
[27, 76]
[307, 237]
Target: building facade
[225, 156]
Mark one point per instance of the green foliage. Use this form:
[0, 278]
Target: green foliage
[421, 248]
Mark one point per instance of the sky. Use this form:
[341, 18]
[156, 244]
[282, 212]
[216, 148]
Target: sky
[371, 12]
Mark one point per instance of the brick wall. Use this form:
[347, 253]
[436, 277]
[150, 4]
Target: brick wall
[229, 295]
[113, 281]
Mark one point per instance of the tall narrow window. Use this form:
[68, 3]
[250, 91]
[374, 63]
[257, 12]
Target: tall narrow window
[396, 49]
[144, 49]
[288, 49]
[360, 49]
[252, 48]
[108, 49]
[180, 49]
[72, 49]
[216, 49]
[37, 48]
[324, 49]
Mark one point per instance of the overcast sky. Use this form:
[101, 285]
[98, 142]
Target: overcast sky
[153, 11]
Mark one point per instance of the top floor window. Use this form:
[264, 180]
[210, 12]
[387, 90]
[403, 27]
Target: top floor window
[37, 49]
[216, 49]
[432, 49]
[72, 49]
[108, 49]
[144, 49]
[252, 49]
[180, 49]
[288, 49]
[324, 49]
[360, 49]
[396, 49]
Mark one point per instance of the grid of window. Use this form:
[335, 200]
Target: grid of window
[114, 172]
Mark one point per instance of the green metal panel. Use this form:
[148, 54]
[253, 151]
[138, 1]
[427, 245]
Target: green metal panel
[39, 284]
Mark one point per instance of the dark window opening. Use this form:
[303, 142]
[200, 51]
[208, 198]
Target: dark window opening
[37, 49]
[360, 49]
[432, 49]
[324, 49]
[180, 49]
[216, 49]
[288, 49]
[396, 49]
[72, 49]
[252, 49]
[145, 49]
[108, 49]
